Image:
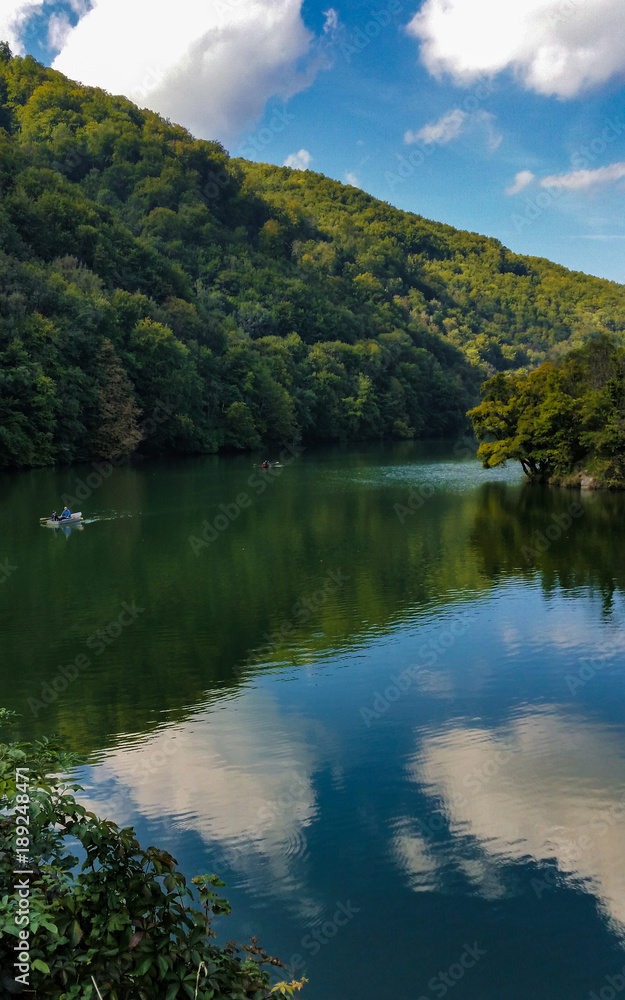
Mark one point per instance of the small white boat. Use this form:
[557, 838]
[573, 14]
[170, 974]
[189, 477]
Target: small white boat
[60, 521]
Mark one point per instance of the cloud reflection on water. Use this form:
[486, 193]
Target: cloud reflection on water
[239, 774]
[545, 788]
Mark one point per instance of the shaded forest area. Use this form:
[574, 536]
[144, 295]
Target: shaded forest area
[156, 294]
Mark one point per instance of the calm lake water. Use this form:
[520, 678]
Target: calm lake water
[384, 702]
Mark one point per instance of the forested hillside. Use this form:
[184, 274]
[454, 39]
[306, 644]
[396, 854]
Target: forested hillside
[156, 294]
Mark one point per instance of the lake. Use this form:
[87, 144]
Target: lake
[379, 691]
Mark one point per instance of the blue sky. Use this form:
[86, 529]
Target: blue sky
[504, 119]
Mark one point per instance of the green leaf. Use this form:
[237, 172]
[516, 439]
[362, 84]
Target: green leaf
[40, 965]
[75, 933]
[143, 968]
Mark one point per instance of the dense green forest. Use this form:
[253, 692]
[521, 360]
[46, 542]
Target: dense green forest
[564, 421]
[158, 295]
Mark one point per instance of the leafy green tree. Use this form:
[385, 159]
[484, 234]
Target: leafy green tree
[240, 428]
[28, 413]
[561, 421]
[167, 384]
[7, 113]
[536, 420]
[363, 414]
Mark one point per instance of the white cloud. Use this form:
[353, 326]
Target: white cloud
[447, 127]
[581, 180]
[493, 137]
[521, 180]
[331, 22]
[210, 66]
[59, 27]
[577, 180]
[352, 179]
[80, 7]
[298, 161]
[553, 47]
[455, 123]
[13, 16]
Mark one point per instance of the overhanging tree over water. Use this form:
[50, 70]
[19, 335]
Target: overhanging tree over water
[564, 422]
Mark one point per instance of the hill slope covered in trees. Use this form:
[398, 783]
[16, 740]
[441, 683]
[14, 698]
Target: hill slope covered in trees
[155, 293]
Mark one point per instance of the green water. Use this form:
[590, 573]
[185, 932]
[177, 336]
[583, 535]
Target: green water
[384, 699]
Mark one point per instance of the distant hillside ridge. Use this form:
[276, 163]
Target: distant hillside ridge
[157, 295]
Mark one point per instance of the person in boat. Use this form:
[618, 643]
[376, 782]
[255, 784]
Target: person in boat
[266, 465]
[55, 516]
[66, 512]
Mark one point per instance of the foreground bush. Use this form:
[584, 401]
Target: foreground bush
[117, 923]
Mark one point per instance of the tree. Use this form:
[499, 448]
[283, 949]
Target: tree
[28, 415]
[7, 113]
[166, 381]
[117, 433]
[533, 419]
[240, 428]
[560, 421]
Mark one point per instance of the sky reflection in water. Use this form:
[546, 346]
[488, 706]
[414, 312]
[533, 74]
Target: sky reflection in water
[487, 778]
